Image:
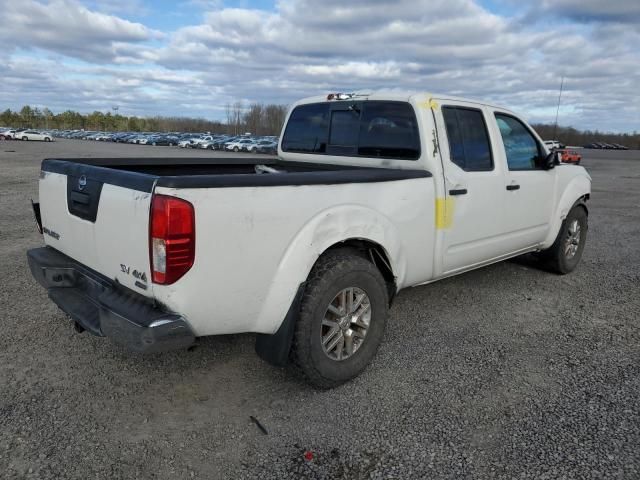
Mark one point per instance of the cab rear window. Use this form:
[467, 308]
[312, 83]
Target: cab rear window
[373, 129]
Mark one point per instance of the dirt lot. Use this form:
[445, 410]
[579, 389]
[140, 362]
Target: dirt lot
[505, 372]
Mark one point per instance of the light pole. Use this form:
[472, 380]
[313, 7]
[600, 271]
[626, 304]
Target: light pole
[115, 109]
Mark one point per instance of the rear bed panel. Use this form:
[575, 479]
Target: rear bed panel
[116, 244]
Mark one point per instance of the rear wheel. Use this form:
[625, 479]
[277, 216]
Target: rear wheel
[25, 139]
[47, 139]
[342, 318]
[236, 149]
[565, 253]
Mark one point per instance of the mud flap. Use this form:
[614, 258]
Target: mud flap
[274, 349]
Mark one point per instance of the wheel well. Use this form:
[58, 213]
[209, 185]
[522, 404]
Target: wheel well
[377, 255]
[582, 202]
[275, 348]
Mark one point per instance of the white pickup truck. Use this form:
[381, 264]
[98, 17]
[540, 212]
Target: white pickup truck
[369, 194]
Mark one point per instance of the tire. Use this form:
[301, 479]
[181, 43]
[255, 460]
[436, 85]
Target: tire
[25, 139]
[335, 272]
[564, 255]
[47, 139]
[236, 149]
[154, 144]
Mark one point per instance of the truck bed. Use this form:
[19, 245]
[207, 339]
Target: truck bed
[144, 174]
[248, 238]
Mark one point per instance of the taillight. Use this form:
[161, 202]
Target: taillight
[172, 238]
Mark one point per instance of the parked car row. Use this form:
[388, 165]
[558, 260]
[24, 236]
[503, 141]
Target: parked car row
[205, 141]
[238, 143]
[606, 146]
[557, 145]
[25, 134]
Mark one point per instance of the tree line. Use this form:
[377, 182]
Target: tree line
[256, 118]
[575, 137]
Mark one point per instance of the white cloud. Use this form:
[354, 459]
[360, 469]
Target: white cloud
[68, 28]
[306, 47]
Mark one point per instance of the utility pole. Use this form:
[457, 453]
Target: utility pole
[555, 127]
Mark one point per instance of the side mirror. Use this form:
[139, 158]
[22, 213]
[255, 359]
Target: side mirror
[551, 160]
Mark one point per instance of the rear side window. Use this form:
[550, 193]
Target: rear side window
[469, 144]
[520, 145]
[307, 129]
[381, 129]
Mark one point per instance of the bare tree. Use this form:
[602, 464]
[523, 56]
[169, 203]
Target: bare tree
[253, 119]
[228, 109]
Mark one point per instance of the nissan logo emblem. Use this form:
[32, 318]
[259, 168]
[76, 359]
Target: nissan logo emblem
[82, 182]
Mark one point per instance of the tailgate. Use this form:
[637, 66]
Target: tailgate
[99, 217]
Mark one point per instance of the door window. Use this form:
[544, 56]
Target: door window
[469, 144]
[520, 146]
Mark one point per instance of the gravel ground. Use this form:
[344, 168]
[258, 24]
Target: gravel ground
[505, 372]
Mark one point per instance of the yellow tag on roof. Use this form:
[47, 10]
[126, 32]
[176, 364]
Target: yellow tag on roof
[431, 103]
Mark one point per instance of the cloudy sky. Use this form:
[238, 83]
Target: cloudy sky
[192, 57]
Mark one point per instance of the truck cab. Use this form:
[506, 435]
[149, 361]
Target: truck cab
[498, 192]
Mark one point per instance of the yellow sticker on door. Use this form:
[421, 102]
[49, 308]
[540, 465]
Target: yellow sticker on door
[444, 212]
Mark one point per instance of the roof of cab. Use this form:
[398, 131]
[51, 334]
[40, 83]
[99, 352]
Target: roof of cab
[397, 95]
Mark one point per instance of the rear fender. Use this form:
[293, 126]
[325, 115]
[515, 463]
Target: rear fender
[326, 229]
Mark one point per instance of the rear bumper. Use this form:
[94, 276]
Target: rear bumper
[104, 308]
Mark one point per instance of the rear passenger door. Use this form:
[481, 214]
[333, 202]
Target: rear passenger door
[472, 220]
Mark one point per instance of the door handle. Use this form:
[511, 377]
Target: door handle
[513, 187]
[459, 191]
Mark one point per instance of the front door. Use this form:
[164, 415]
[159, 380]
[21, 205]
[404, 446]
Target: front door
[471, 214]
[529, 189]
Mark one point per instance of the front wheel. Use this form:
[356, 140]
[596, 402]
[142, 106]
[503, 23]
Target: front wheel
[25, 139]
[236, 149]
[47, 139]
[565, 253]
[342, 318]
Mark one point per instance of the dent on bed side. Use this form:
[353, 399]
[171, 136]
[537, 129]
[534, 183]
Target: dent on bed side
[321, 232]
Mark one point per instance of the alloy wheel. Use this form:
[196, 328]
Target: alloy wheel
[346, 323]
